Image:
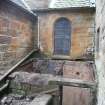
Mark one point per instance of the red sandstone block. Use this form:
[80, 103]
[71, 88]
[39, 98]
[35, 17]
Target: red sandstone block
[3, 47]
[22, 52]
[12, 32]
[1, 56]
[4, 31]
[4, 39]
[6, 65]
[9, 55]
[15, 24]
[4, 22]
[15, 43]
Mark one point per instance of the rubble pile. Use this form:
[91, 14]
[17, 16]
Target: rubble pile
[13, 99]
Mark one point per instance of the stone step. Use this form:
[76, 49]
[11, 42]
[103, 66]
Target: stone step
[42, 100]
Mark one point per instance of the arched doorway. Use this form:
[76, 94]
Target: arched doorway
[62, 35]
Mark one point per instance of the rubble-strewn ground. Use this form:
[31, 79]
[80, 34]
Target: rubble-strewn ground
[13, 99]
[26, 85]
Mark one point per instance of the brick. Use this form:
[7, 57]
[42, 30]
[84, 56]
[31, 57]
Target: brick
[14, 45]
[4, 47]
[4, 31]
[4, 39]
[6, 64]
[14, 33]
[9, 56]
[4, 22]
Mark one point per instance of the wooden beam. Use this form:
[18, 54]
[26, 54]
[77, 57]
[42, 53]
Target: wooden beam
[49, 79]
[51, 92]
[4, 86]
[58, 80]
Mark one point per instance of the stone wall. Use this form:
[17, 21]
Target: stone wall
[82, 34]
[17, 34]
[100, 49]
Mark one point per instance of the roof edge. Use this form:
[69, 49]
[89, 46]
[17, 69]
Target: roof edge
[63, 9]
[25, 10]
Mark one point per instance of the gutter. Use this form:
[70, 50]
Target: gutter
[64, 9]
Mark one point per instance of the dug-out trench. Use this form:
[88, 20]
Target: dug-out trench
[25, 84]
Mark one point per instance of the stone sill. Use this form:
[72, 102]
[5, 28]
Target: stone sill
[60, 57]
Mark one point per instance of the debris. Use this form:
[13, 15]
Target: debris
[3, 100]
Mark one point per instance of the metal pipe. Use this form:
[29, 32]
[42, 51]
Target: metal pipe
[38, 33]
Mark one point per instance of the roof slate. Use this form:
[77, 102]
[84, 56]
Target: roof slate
[71, 3]
[19, 2]
[22, 6]
[47, 4]
[33, 4]
[38, 4]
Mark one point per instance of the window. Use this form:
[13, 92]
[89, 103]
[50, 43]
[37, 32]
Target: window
[62, 35]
